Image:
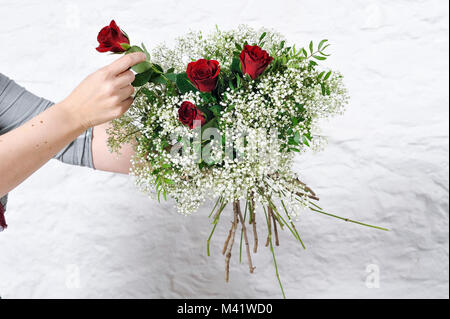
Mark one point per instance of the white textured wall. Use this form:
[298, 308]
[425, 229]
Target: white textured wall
[386, 163]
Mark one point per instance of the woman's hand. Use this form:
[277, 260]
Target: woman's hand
[104, 95]
[101, 97]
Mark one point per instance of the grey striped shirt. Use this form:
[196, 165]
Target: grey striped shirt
[17, 106]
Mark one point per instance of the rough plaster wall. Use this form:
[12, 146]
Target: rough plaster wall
[386, 163]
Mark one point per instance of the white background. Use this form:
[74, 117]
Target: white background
[74, 232]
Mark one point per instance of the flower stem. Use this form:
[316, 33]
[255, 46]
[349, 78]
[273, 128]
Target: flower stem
[209, 239]
[215, 222]
[273, 255]
[214, 208]
[293, 225]
[242, 234]
[229, 246]
[295, 233]
[346, 219]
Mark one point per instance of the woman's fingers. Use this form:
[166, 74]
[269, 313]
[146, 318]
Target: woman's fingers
[125, 105]
[126, 92]
[125, 78]
[126, 62]
[106, 94]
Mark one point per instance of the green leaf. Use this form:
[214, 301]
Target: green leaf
[297, 137]
[159, 79]
[304, 52]
[308, 136]
[305, 140]
[184, 85]
[311, 47]
[293, 142]
[141, 67]
[327, 76]
[211, 123]
[230, 83]
[206, 96]
[216, 109]
[262, 36]
[171, 76]
[238, 46]
[320, 58]
[236, 66]
[322, 43]
[168, 181]
[321, 51]
[322, 86]
[133, 49]
[300, 107]
[157, 68]
[282, 44]
[142, 78]
[149, 94]
[146, 52]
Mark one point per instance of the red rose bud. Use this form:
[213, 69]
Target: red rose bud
[110, 39]
[204, 74]
[254, 60]
[2, 218]
[188, 114]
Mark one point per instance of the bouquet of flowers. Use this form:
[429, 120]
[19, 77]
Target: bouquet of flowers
[222, 116]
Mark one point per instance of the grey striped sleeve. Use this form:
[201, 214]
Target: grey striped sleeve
[17, 106]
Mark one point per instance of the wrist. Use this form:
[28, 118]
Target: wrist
[72, 116]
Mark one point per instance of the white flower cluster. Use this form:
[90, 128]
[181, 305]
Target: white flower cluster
[250, 154]
[218, 45]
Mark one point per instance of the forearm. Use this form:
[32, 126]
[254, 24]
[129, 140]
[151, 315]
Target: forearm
[28, 147]
[104, 95]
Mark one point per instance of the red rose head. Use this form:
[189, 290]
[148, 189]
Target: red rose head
[204, 74]
[188, 113]
[110, 38]
[254, 60]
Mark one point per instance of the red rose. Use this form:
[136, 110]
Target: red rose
[254, 60]
[188, 113]
[110, 38]
[204, 74]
